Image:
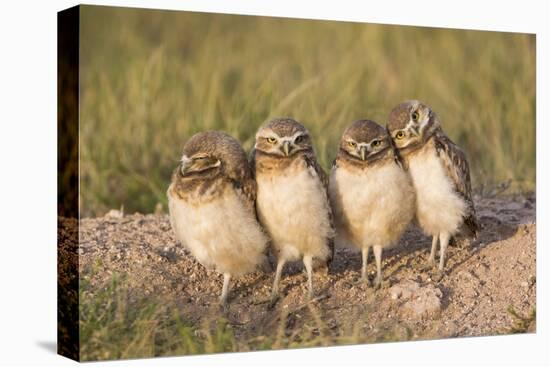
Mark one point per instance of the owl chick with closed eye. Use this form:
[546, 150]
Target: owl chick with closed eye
[292, 200]
[371, 194]
[212, 207]
[440, 175]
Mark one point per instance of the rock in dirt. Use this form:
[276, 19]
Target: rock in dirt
[417, 301]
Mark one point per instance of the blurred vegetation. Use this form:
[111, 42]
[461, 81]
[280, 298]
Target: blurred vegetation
[150, 79]
[118, 322]
[522, 324]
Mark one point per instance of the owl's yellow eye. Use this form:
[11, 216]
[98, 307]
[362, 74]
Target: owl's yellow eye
[375, 143]
[415, 116]
[400, 135]
[271, 140]
[352, 144]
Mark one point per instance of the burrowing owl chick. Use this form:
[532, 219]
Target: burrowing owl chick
[292, 201]
[371, 195]
[212, 206]
[440, 175]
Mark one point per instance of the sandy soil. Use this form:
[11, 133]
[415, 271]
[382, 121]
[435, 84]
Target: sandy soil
[482, 279]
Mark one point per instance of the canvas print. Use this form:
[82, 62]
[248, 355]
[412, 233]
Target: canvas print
[233, 183]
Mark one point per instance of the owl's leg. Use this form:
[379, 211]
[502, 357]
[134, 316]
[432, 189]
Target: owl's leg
[309, 269]
[275, 289]
[377, 250]
[444, 238]
[225, 289]
[431, 259]
[364, 257]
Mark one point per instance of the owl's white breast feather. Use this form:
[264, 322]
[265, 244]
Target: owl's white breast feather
[372, 207]
[293, 207]
[222, 233]
[439, 207]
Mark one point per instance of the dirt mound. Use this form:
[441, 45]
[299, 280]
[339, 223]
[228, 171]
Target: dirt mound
[483, 280]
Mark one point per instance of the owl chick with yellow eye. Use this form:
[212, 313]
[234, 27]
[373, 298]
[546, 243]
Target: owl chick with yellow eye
[292, 198]
[212, 207]
[440, 175]
[371, 195]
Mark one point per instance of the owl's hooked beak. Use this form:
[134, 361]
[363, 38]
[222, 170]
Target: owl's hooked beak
[286, 148]
[414, 130]
[200, 164]
[185, 163]
[363, 152]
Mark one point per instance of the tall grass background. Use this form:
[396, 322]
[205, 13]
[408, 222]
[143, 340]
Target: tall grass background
[150, 79]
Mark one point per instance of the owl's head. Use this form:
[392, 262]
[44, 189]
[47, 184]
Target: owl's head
[365, 141]
[411, 124]
[283, 137]
[208, 154]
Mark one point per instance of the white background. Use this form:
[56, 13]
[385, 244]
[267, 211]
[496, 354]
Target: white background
[28, 181]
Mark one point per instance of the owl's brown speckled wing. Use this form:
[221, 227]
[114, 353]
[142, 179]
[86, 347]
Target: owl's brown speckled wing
[252, 163]
[455, 163]
[319, 171]
[311, 162]
[249, 191]
[245, 184]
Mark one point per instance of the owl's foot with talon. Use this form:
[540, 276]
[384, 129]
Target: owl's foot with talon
[427, 265]
[223, 307]
[273, 301]
[362, 281]
[379, 283]
[438, 275]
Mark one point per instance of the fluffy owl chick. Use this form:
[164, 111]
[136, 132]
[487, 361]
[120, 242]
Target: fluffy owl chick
[440, 174]
[372, 197]
[212, 211]
[292, 201]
